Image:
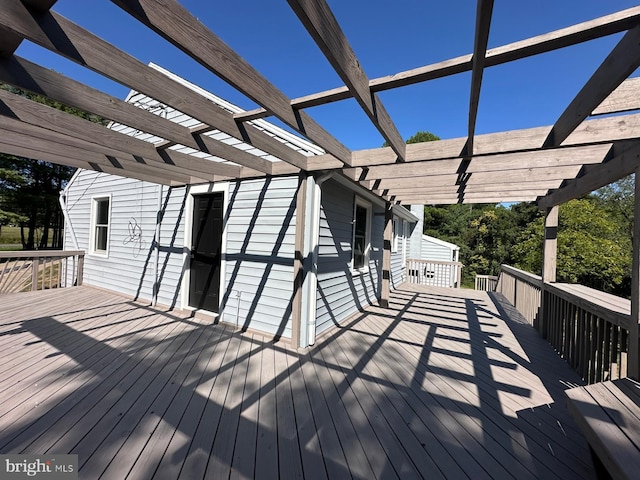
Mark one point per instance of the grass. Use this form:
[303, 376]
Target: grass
[10, 235]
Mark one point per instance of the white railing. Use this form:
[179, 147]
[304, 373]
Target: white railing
[40, 270]
[486, 283]
[434, 273]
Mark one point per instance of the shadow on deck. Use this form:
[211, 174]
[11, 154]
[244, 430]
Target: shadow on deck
[443, 384]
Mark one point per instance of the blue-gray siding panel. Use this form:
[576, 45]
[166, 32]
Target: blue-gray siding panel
[128, 269]
[259, 249]
[260, 246]
[341, 293]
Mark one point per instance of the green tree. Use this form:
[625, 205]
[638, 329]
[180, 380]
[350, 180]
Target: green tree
[593, 248]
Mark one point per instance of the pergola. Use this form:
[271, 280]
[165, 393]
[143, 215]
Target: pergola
[548, 164]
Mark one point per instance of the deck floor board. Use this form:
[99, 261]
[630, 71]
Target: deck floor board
[443, 384]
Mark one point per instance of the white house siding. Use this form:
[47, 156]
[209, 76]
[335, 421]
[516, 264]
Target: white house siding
[341, 293]
[397, 265]
[260, 249]
[128, 268]
[434, 251]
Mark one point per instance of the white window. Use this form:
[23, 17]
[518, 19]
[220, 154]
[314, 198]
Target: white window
[361, 242]
[100, 217]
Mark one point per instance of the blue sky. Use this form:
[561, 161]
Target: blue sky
[388, 37]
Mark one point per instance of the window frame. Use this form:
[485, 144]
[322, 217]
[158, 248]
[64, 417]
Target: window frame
[93, 237]
[395, 233]
[360, 202]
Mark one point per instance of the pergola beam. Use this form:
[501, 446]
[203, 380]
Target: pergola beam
[623, 60]
[483, 25]
[323, 27]
[626, 158]
[624, 98]
[565, 37]
[175, 24]
[59, 35]
[107, 141]
[488, 163]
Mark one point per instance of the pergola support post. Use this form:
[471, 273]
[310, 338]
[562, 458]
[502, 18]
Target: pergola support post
[298, 261]
[549, 261]
[633, 365]
[386, 256]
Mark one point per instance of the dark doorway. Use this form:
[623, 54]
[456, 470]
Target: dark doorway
[206, 251]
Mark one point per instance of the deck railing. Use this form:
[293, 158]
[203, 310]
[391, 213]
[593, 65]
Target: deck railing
[38, 270]
[588, 328]
[434, 273]
[486, 283]
[522, 289]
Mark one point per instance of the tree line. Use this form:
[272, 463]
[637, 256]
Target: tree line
[594, 237]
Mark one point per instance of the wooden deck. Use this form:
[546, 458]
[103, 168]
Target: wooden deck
[442, 385]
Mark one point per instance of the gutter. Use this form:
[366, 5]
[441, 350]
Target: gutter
[65, 213]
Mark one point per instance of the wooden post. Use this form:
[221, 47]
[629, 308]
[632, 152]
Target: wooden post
[298, 260]
[386, 256]
[35, 266]
[633, 359]
[549, 260]
[80, 269]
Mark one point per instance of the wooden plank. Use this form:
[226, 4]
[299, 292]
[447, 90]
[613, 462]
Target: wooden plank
[115, 143]
[160, 453]
[307, 430]
[609, 442]
[267, 441]
[26, 75]
[503, 163]
[431, 188]
[318, 19]
[66, 150]
[54, 32]
[619, 64]
[175, 24]
[484, 10]
[9, 42]
[624, 98]
[572, 35]
[39, 5]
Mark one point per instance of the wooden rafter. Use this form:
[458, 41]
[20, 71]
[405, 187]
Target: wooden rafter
[110, 142]
[323, 27]
[174, 23]
[626, 158]
[483, 24]
[490, 163]
[619, 64]
[56, 33]
[623, 99]
[582, 32]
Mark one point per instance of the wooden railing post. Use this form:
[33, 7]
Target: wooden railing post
[549, 261]
[80, 268]
[35, 266]
[633, 365]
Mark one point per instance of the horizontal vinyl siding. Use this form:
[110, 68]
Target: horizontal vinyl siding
[397, 265]
[434, 251]
[259, 255]
[128, 269]
[341, 293]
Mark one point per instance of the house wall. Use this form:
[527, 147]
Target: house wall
[433, 251]
[260, 224]
[397, 265]
[128, 268]
[340, 292]
[260, 249]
